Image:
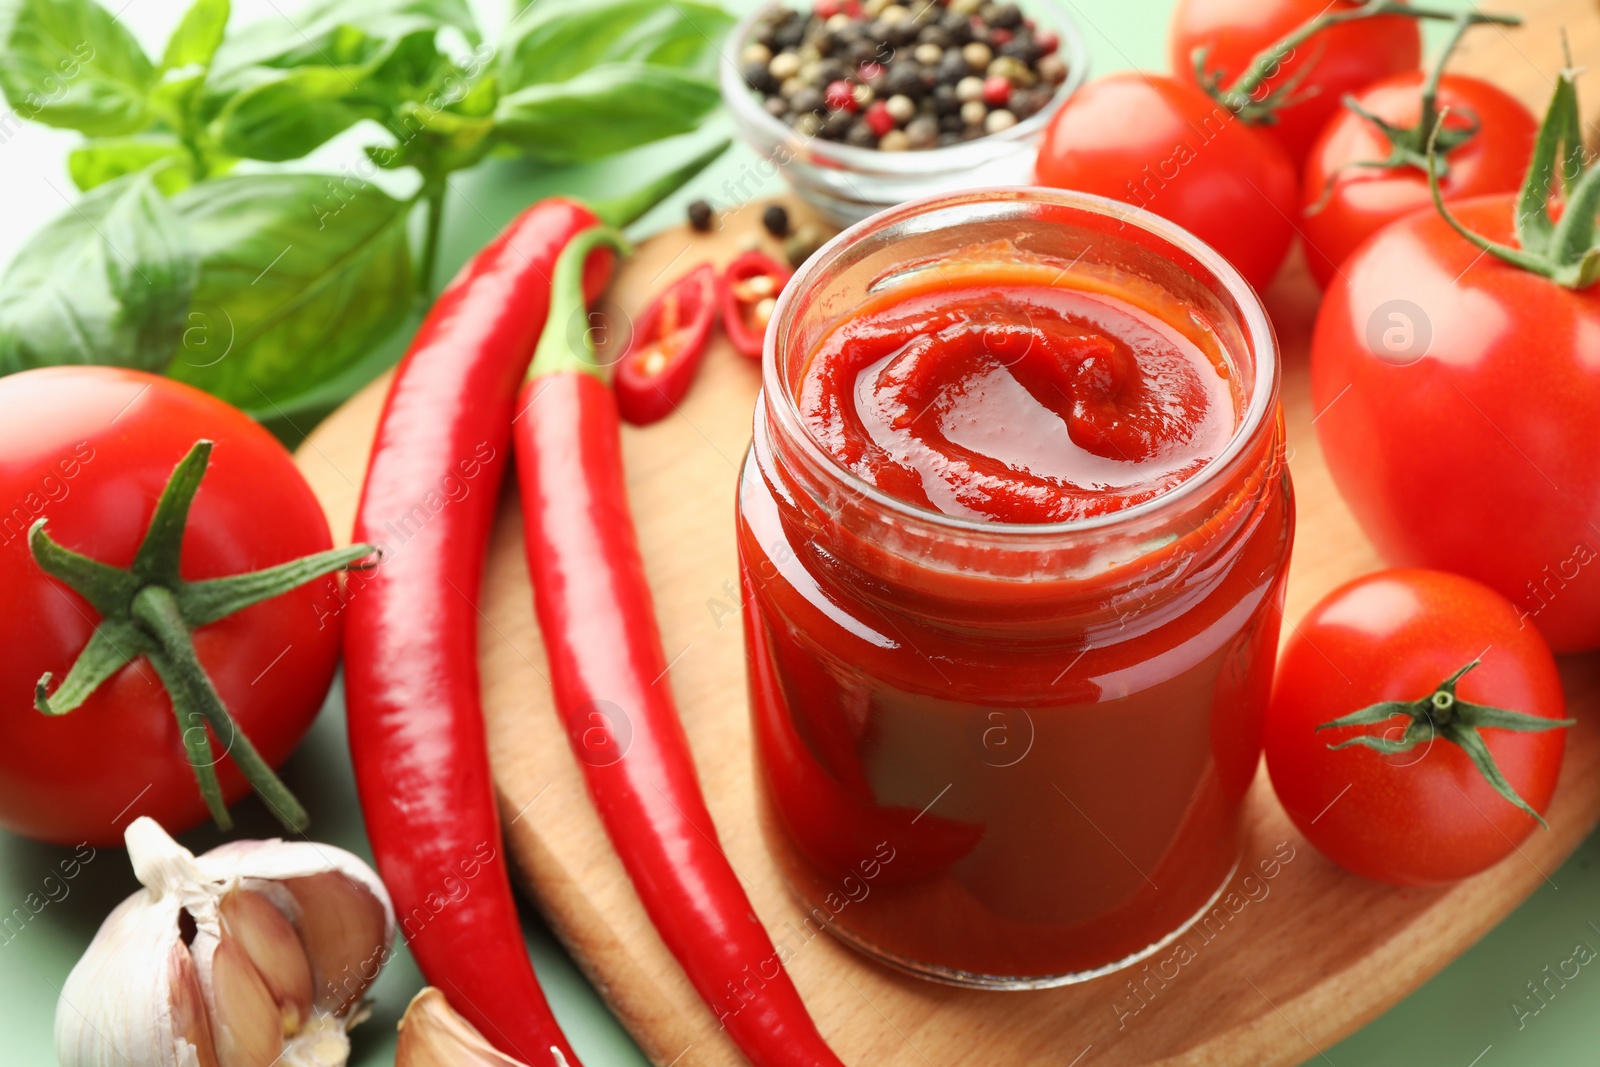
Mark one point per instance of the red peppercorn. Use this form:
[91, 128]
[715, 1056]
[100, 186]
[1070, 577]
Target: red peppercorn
[826, 9]
[999, 36]
[1047, 40]
[854, 9]
[996, 90]
[840, 96]
[879, 119]
[869, 70]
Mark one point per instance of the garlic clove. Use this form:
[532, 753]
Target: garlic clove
[273, 946]
[345, 930]
[245, 1020]
[433, 1035]
[189, 1023]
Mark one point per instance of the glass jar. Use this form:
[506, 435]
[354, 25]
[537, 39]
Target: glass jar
[1007, 755]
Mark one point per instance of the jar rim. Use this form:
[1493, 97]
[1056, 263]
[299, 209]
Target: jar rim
[780, 401]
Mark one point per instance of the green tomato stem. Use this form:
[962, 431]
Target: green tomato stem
[1238, 97]
[148, 610]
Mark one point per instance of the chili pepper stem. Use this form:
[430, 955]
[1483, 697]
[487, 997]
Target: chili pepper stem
[567, 345]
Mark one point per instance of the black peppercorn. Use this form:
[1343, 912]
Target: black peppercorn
[807, 99]
[759, 78]
[945, 100]
[789, 35]
[935, 35]
[952, 123]
[832, 70]
[836, 125]
[905, 79]
[958, 26]
[1006, 16]
[952, 67]
[776, 219]
[1022, 48]
[700, 215]
[860, 135]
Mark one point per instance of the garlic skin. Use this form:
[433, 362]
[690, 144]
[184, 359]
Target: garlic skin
[433, 1035]
[255, 954]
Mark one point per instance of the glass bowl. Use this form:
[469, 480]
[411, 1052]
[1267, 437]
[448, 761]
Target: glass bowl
[846, 184]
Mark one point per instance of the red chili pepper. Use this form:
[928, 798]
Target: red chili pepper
[750, 288]
[608, 672]
[667, 345]
[411, 650]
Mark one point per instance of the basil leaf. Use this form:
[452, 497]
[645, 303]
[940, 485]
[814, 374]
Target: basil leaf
[108, 282]
[198, 36]
[558, 39]
[301, 275]
[286, 114]
[70, 63]
[323, 32]
[109, 158]
[603, 111]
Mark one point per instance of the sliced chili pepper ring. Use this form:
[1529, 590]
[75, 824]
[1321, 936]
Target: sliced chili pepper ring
[750, 289]
[668, 344]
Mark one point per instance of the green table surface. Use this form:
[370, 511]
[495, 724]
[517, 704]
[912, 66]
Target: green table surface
[1462, 1018]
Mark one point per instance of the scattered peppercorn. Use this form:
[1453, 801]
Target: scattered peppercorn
[898, 76]
[776, 220]
[700, 215]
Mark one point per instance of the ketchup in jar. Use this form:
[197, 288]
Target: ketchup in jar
[1012, 532]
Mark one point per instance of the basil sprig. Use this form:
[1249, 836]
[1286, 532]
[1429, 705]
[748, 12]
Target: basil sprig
[278, 291]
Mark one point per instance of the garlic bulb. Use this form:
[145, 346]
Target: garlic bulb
[433, 1035]
[255, 954]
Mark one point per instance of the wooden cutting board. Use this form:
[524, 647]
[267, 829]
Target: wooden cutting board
[1315, 958]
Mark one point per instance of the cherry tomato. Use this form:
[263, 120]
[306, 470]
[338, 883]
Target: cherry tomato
[90, 449]
[1345, 204]
[1458, 402]
[1163, 145]
[1427, 815]
[1341, 59]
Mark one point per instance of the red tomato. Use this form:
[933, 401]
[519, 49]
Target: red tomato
[90, 449]
[1356, 202]
[1151, 141]
[1458, 404]
[1425, 816]
[1343, 59]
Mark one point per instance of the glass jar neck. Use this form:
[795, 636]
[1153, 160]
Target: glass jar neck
[905, 557]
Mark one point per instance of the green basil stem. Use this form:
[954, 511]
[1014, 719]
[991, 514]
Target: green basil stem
[433, 199]
[1443, 714]
[567, 345]
[1240, 96]
[148, 610]
[622, 210]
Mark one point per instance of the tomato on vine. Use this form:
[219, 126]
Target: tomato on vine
[1369, 167]
[1455, 369]
[1416, 730]
[1286, 65]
